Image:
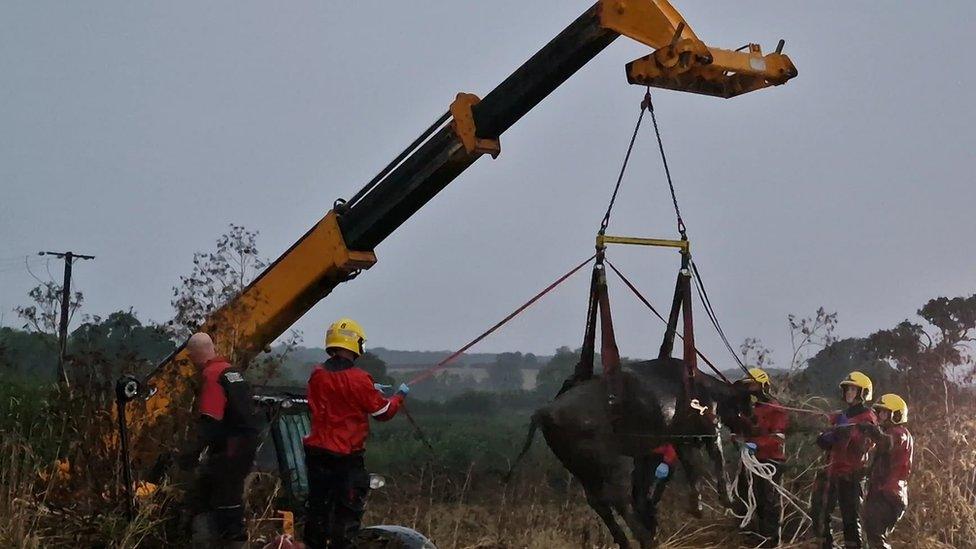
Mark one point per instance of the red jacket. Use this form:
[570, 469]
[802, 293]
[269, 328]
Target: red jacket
[893, 464]
[226, 410]
[849, 447]
[767, 430]
[342, 398]
[213, 400]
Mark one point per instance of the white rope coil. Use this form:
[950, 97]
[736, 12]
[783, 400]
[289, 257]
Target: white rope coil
[766, 471]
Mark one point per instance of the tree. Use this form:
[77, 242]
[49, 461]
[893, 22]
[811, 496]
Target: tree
[934, 353]
[810, 333]
[559, 367]
[29, 354]
[217, 278]
[506, 373]
[443, 386]
[121, 338]
[41, 322]
[105, 348]
[832, 363]
[270, 368]
[374, 366]
[44, 315]
[755, 354]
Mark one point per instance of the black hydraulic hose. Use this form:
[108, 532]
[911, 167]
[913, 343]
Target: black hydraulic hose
[396, 161]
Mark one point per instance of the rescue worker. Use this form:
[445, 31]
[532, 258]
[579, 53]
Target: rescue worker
[761, 429]
[224, 448]
[341, 398]
[848, 447]
[649, 478]
[887, 496]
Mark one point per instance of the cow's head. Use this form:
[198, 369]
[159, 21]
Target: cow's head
[729, 399]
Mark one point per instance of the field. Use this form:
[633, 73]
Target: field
[453, 493]
[543, 507]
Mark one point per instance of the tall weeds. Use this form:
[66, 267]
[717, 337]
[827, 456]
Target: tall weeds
[59, 485]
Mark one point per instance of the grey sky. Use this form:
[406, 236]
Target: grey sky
[138, 131]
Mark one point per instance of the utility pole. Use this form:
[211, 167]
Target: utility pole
[69, 258]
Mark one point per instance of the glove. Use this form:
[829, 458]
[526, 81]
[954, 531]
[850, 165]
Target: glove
[752, 447]
[662, 471]
[404, 389]
[870, 430]
[381, 387]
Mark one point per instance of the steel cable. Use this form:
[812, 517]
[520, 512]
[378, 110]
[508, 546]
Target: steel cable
[623, 168]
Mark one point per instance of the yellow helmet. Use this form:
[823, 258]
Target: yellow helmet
[862, 382]
[346, 333]
[894, 404]
[759, 376]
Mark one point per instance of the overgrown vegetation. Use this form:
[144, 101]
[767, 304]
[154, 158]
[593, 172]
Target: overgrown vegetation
[60, 482]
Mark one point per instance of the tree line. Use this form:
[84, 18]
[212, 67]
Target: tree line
[921, 356]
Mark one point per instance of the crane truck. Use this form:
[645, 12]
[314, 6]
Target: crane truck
[341, 245]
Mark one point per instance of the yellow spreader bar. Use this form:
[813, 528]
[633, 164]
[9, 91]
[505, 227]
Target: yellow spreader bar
[683, 245]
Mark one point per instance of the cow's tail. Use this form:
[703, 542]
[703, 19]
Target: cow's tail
[529, 437]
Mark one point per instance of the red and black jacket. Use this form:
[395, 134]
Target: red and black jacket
[342, 398]
[766, 428]
[849, 447]
[226, 407]
[892, 463]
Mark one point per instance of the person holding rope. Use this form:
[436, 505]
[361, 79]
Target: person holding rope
[761, 429]
[660, 463]
[887, 496]
[848, 448]
[341, 398]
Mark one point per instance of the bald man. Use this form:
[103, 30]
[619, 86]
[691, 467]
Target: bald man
[224, 449]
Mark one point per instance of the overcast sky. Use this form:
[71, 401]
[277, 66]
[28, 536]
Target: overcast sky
[137, 131]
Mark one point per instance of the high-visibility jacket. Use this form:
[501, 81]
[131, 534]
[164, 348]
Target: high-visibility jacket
[227, 423]
[892, 464]
[767, 430]
[849, 447]
[342, 398]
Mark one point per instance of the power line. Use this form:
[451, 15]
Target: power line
[18, 261]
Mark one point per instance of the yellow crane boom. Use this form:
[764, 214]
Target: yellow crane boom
[341, 244]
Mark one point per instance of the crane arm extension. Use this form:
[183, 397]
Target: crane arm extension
[341, 244]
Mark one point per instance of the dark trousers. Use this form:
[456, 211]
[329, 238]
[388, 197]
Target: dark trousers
[217, 500]
[845, 492]
[647, 490]
[881, 513]
[768, 505]
[337, 490]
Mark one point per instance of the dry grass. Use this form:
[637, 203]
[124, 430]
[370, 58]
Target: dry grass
[534, 513]
[467, 508]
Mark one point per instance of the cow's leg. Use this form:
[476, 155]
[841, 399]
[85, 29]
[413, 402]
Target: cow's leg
[640, 484]
[602, 508]
[690, 467]
[713, 446]
[657, 491]
[625, 508]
